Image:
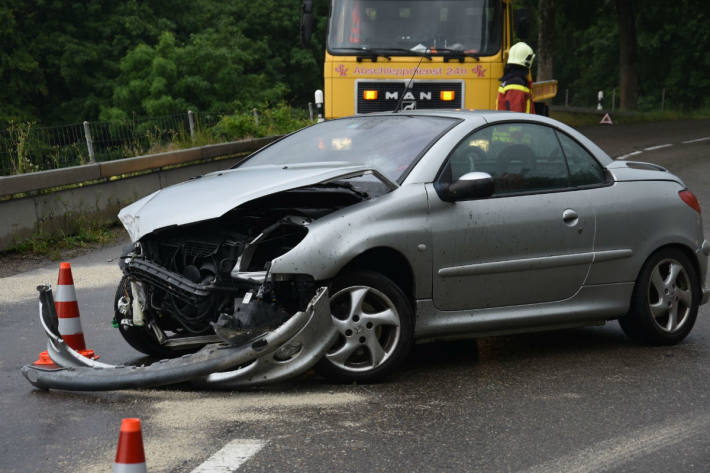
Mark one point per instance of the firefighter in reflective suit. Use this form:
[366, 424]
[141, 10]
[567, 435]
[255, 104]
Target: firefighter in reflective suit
[515, 91]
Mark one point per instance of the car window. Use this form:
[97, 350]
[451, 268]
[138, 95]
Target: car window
[521, 157]
[584, 170]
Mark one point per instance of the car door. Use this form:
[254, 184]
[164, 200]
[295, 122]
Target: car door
[530, 242]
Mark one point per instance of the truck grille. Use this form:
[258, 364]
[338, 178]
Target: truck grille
[423, 95]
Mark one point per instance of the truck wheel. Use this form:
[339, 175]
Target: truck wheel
[375, 321]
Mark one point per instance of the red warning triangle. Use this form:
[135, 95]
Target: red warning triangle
[606, 120]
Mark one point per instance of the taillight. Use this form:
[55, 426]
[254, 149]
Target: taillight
[690, 199]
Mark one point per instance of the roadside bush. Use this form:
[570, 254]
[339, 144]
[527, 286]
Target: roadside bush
[276, 120]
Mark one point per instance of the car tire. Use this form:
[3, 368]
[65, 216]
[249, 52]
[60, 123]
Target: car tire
[665, 300]
[137, 337]
[376, 328]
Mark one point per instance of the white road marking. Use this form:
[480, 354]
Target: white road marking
[231, 456]
[652, 148]
[625, 156]
[610, 455]
[696, 141]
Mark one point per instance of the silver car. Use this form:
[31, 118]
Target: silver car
[408, 227]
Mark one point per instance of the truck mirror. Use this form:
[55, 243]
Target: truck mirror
[306, 22]
[522, 23]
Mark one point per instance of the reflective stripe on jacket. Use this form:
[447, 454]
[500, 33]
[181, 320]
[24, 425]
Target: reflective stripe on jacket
[515, 98]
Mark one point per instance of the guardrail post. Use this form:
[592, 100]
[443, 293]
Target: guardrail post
[566, 98]
[663, 99]
[191, 121]
[89, 144]
[613, 100]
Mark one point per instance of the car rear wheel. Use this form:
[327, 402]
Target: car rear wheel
[665, 300]
[375, 323]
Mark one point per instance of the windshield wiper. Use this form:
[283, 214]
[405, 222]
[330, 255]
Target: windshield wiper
[365, 52]
[457, 53]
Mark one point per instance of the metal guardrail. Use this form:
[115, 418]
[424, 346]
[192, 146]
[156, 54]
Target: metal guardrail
[35, 181]
[27, 147]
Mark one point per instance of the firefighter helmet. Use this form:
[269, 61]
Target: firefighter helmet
[521, 54]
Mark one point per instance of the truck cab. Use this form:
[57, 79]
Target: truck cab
[427, 54]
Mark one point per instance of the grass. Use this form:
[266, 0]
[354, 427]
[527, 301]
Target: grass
[88, 235]
[24, 147]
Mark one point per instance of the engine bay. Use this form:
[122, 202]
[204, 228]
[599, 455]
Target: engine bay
[194, 279]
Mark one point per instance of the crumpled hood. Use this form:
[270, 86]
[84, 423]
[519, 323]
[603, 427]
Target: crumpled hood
[214, 194]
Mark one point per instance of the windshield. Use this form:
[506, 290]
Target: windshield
[472, 26]
[388, 144]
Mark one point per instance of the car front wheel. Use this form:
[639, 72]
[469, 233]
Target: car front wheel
[665, 300]
[375, 324]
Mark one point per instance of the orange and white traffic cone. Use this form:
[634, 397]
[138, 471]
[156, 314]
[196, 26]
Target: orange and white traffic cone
[130, 457]
[68, 312]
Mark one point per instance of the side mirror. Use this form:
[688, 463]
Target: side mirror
[522, 23]
[306, 22]
[472, 185]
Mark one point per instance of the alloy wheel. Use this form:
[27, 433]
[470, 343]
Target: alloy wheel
[369, 327]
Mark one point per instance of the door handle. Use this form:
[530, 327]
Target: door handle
[570, 217]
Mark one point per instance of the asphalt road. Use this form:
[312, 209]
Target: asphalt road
[582, 400]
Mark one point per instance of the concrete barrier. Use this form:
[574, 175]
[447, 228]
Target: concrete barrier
[62, 200]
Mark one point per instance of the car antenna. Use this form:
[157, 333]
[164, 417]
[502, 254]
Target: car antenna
[409, 84]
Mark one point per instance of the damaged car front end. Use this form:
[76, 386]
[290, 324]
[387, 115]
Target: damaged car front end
[208, 284]
[207, 281]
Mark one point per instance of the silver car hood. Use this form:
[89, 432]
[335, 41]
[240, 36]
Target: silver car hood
[214, 194]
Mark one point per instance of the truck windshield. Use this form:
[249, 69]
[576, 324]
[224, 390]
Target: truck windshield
[471, 26]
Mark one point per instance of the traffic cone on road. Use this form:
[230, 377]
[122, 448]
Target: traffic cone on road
[68, 312]
[130, 457]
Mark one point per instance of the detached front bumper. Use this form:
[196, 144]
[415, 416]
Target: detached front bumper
[703, 253]
[286, 351]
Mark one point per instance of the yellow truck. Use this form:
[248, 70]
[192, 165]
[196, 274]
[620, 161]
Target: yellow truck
[417, 54]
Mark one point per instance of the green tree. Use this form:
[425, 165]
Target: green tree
[628, 57]
[22, 77]
[215, 70]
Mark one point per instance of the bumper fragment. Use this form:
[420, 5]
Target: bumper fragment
[294, 357]
[78, 373]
